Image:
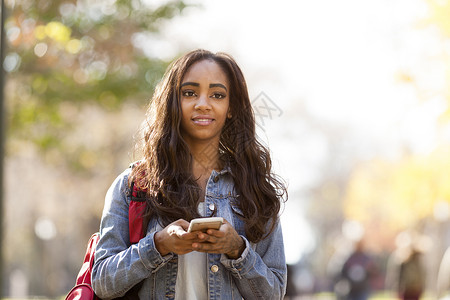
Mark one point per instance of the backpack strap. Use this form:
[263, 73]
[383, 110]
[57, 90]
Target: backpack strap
[136, 211]
[137, 224]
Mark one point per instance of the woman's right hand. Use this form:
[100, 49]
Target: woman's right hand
[175, 238]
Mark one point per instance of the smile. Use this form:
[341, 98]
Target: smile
[202, 121]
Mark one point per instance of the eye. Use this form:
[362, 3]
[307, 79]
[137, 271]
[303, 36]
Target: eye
[218, 95]
[188, 93]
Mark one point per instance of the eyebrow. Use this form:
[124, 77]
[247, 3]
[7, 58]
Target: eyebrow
[211, 85]
[190, 83]
[218, 85]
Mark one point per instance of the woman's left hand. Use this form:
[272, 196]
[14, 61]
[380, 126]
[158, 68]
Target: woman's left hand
[225, 240]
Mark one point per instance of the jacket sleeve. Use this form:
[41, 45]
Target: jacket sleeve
[119, 266]
[261, 271]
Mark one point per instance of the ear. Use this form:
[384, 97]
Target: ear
[229, 114]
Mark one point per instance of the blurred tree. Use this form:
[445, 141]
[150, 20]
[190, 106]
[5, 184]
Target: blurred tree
[65, 54]
[78, 74]
[394, 195]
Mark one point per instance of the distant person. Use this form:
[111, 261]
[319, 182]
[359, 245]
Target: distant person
[411, 281]
[291, 288]
[443, 282]
[201, 158]
[356, 274]
[405, 270]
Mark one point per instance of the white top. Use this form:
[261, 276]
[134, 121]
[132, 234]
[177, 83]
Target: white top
[191, 281]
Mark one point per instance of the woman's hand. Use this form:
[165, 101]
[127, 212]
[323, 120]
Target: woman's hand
[225, 240]
[175, 239]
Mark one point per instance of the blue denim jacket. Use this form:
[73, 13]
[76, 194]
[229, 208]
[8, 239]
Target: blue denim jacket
[260, 272]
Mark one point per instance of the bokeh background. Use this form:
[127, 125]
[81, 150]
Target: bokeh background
[351, 96]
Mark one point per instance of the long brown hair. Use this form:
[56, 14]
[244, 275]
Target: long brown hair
[166, 171]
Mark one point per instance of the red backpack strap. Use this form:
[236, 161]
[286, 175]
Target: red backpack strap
[136, 211]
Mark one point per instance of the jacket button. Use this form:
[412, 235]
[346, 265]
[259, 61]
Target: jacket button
[216, 179]
[212, 206]
[214, 268]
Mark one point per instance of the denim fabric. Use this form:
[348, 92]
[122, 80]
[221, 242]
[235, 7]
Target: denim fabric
[260, 272]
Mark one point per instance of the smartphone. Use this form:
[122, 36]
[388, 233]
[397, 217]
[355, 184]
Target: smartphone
[203, 224]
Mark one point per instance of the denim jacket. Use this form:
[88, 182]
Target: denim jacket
[260, 272]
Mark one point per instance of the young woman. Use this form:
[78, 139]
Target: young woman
[200, 158]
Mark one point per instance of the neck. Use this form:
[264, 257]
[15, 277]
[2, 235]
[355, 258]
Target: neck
[205, 158]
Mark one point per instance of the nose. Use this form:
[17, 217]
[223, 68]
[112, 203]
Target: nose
[202, 103]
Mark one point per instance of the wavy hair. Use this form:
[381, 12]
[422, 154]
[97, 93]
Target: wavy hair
[166, 170]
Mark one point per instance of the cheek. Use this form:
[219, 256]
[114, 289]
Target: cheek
[224, 112]
[184, 116]
[225, 116]
[184, 111]
[227, 108]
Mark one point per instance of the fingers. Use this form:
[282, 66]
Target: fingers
[210, 235]
[226, 240]
[181, 223]
[210, 247]
[174, 238]
[206, 247]
[175, 229]
[179, 229]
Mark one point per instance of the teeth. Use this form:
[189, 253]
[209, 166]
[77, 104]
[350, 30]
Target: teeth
[203, 120]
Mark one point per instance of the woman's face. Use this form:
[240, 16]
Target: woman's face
[204, 103]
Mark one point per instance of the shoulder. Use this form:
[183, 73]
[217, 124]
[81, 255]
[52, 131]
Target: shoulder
[123, 177]
[120, 184]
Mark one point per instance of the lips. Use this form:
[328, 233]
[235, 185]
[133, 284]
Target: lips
[202, 120]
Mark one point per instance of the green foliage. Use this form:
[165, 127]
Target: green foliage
[64, 55]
